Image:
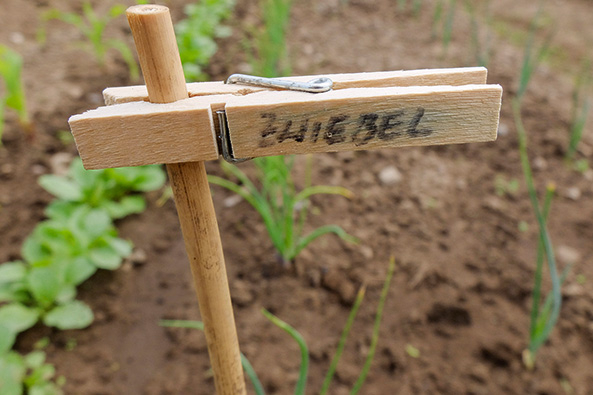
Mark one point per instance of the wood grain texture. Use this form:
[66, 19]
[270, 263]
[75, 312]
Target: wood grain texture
[143, 133]
[165, 83]
[154, 36]
[281, 123]
[426, 77]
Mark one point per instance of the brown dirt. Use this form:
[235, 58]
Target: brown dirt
[461, 291]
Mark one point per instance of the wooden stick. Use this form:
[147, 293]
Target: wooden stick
[159, 58]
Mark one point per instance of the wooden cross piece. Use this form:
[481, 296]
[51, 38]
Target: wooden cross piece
[170, 122]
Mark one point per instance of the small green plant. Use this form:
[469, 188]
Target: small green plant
[62, 252]
[581, 104]
[504, 187]
[270, 42]
[58, 256]
[543, 318]
[107, 189]
[282, 208]
[92, 26]
[416, 6]
[480, 45]
[28, 374]
[11, 65]
[196, 34]
[447, 19]
[292, 332]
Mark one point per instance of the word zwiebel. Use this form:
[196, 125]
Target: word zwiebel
[342, 128]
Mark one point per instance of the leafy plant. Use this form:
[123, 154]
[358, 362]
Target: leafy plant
[28, 374]
[196, 33]
[106, 189]
[11, 65]
[581, 104]
[543, 319]
[92, 26]
[62, 252]
[282, 208]
[58, 256]
[304, 366]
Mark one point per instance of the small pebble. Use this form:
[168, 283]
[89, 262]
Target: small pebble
[568, 255]
[540, 163]
[38, 170]
[17, 38]
[503, 129]
[367, 252]
[59, 163]
[572, 193]
[390, 176]
[138, 257]
[232, 201]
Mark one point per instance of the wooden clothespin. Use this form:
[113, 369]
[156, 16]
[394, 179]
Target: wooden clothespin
[363, 111]
[182, 125]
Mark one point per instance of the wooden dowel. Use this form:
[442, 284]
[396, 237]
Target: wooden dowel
[159, 59]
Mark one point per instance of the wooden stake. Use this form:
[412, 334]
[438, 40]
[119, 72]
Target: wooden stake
[159, 58]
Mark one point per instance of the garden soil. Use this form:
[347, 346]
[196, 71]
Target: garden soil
[465, 254]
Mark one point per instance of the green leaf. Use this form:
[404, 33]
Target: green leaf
[302, 381]
[45, 284]
[35, 359]
[17, 317]
[45, 388]
[80, 269]
[12, 373]
[12, 271]
[14, 292]
[32, 250]
[121, 246]
[73, 315]
[66, 294]
[61, 187]
[151, 179]
[40, 376]
[105, 258]
[7, 339]
[97, 222]
[126, 206]
[60, 209]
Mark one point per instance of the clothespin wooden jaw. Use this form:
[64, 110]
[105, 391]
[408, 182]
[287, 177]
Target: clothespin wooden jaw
[363, 111]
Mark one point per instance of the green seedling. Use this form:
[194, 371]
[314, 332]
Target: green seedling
[92, 26]
[69, 247]
[581, 104]
[437, 15]
[106, 189]
[504, 187]
[543, 319]
[304, 366]
[480, 48]
[59, 256]
[11, 65]
[28, 374]
[416, 6]
[282, 208]
[270, 43]
[196, 34]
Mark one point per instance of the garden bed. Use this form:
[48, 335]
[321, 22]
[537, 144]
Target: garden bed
[465, 254]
